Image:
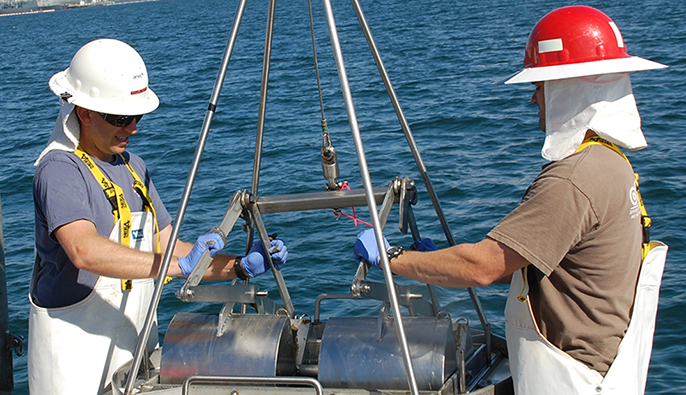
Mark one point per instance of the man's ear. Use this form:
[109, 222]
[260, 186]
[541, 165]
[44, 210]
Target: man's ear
[85, 116]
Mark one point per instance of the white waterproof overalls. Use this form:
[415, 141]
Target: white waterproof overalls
[75, 349]
[540, 368]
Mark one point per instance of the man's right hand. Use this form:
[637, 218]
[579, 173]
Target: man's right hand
[424, 245]
[210, 241]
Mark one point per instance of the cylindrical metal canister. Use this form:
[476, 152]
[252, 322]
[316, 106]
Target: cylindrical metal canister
[352, 354]
[251, 345]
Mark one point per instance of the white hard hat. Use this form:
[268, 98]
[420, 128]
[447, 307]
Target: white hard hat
[576, 41]
[106, 76]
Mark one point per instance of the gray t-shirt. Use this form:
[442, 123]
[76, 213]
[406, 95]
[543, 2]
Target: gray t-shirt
[579, 227]
[65, 190]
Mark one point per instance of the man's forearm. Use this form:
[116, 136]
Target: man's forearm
[460, 266]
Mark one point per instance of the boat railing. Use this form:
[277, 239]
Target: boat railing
[215, 381]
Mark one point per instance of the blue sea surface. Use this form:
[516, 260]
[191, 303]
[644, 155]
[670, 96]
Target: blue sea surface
[480, 141]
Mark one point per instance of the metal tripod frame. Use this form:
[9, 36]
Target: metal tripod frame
[369, 195]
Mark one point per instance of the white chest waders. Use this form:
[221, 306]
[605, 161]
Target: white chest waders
[540, 368]
[76, 349]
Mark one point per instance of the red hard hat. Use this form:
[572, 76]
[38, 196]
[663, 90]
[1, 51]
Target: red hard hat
[576, 41]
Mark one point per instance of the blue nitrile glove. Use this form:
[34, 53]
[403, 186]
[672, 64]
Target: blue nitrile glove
[366, 248]
[212, 241]
[255, 262]
[424, 245]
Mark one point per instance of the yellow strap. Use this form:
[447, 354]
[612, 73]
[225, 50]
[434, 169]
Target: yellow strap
[646, 222]
[142, 190]
[649, 247]
[122, 212]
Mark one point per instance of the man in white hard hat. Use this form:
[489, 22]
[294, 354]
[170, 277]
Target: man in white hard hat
[101, 228]
[584, 275]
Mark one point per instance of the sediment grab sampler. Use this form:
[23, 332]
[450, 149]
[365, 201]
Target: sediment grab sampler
[272, 350]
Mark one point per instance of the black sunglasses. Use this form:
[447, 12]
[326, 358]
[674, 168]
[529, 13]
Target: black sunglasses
[120, 120]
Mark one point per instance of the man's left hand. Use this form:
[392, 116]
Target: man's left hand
[255, 263]
[366, 248]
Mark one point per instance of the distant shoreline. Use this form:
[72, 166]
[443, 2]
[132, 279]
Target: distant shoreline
[22, 11]
[26, 12]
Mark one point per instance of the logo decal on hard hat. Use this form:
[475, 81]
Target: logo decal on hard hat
[618, 34]
[554, 45]
[139, 91]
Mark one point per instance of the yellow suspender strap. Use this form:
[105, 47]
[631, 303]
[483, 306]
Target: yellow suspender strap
[120, 208]
[142, 190]
[645, 219]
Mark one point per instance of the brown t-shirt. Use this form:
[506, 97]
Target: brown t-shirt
[579, 227]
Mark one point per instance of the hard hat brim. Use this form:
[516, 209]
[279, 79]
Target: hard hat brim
[563, 71]
[61, 86]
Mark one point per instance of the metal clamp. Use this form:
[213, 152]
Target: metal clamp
[16, 342]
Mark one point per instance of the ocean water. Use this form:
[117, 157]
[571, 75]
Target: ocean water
[480, 141]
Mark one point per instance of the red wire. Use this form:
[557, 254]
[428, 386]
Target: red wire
[354, 216]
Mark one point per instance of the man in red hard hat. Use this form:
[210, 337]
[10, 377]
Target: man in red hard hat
[584, 274]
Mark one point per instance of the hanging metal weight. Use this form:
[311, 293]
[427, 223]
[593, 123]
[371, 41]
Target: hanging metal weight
[329, 161]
